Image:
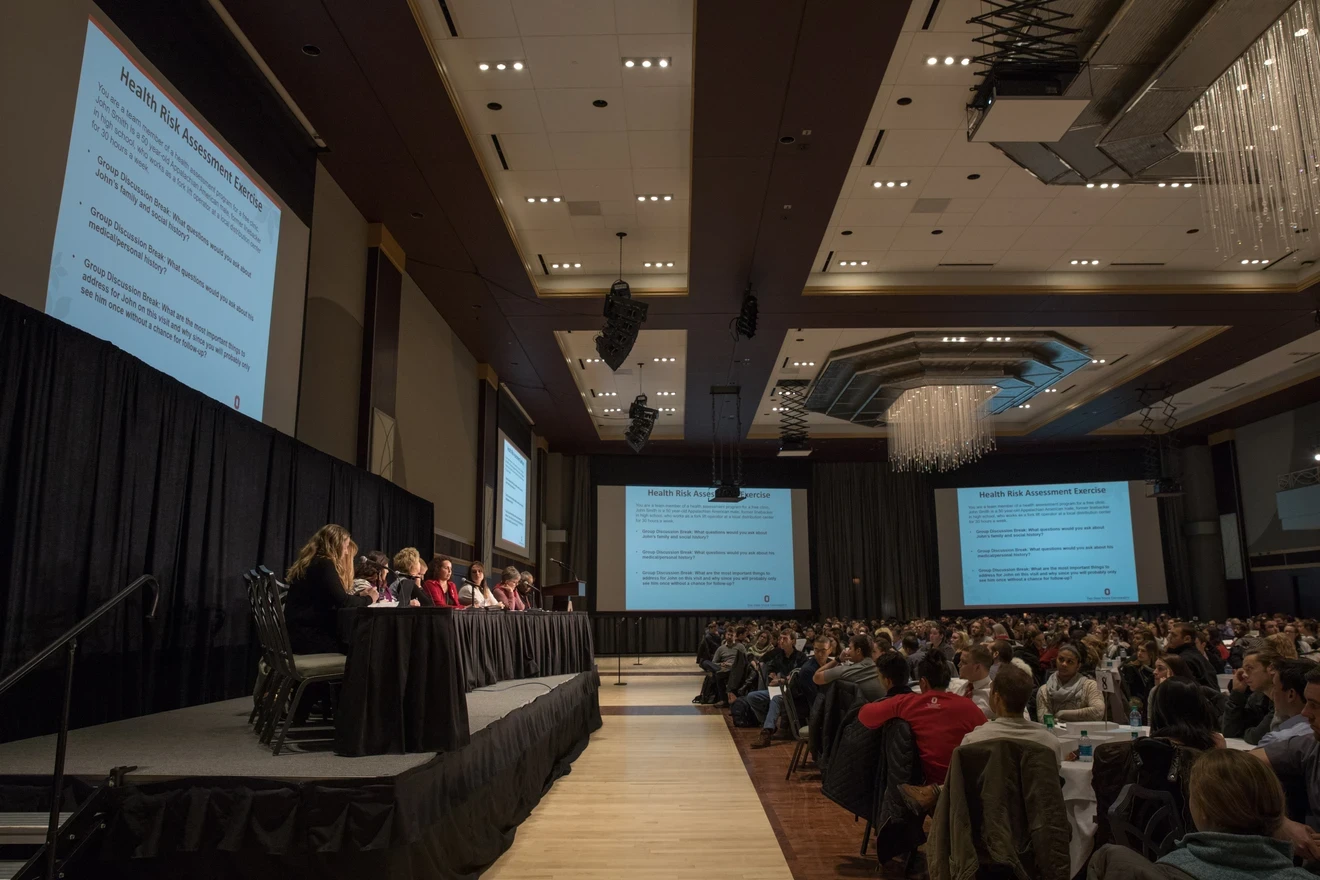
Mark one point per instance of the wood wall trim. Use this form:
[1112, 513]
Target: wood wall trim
[487, 372]
[1221, 437]
[378, 236]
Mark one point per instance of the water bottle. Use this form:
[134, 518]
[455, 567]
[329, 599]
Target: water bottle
[1084, 749]
[1134, 718]
[1228, 669]
[1048, 721]
[1122, 655]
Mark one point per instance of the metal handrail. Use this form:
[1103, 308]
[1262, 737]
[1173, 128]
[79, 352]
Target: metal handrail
[69, 641]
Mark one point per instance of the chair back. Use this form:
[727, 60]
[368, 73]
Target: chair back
[270, 625]
[897, 829]
[855, 756]
[1146, 821]
[737, 672]
[840, 696]
[790, 704]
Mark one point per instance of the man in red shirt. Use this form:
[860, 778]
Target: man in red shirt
[938, 718]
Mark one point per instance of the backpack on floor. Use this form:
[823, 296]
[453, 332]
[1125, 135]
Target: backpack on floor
[742, 714]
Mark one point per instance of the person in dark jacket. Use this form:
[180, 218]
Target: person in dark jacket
[320, 581]
[1029, 652]
[1182, 642]
[1249, 710]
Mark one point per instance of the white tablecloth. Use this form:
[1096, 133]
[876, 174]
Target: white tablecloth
[1079, 796]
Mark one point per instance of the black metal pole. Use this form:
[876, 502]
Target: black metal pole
[618, 655]
[639, 640]
[61, 746]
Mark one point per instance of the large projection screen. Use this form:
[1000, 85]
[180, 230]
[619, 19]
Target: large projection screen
[669, 548]
[1066, 544]
[512, 524]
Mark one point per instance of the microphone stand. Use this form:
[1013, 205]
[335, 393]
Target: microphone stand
[618, 655]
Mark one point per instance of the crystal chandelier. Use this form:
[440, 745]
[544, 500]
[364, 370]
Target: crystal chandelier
[1255, 134]
[939, 427]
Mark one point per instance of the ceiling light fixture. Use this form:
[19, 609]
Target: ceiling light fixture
[500, 65]
[545, 200]
[889, 184]
[939, 427]
[646, 62]
[662, 197]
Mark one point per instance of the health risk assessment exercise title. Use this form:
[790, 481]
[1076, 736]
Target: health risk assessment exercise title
[1034, 493]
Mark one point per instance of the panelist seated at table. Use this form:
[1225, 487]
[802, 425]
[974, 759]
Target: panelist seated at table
[406, 587]
[369, 573]
[438, 584]
[507, 590]
[320, 583]
[475, 593]
[526, 586]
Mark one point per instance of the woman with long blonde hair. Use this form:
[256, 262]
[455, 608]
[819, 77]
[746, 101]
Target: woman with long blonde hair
[320, 583]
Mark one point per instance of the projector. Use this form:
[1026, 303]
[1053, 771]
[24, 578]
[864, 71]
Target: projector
[1164, 487]
[794, 449]
[728, 493]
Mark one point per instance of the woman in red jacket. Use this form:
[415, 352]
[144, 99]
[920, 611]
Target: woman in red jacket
[438, 585]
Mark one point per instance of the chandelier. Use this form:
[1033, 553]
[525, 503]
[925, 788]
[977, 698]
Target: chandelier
[940, 427]
[1255, 133]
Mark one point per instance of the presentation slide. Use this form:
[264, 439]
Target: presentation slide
[1063, 544]
[163, 246]
[667, 548]
[514, 498]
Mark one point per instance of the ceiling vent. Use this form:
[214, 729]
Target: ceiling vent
[931, 206]
[584, 209]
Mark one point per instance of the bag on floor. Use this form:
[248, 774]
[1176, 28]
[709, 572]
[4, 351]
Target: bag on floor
[742, 714]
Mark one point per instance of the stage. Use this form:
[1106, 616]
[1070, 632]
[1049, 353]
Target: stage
[207, 800]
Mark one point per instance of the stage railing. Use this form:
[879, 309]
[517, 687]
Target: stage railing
[69, 642]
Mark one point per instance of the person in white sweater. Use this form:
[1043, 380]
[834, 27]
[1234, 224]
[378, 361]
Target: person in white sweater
[1068, 695]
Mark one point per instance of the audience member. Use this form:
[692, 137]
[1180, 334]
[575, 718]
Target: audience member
[1237, 807]
[856, 666]
[975, 670]
[319, 583]
[1172, 666]
[779, 664]
[939, 719]
[1180, 711]
[1288, 691]
[1068, 695]
[438, 584]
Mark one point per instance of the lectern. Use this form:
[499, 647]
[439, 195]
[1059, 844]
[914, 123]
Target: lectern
[570, 591]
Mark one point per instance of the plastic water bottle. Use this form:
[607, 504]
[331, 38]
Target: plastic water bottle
[1084, 749]
[1228, 669]
[1134, 718]
[1122, 655]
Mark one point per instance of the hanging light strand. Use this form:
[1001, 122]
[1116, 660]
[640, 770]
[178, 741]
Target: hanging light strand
[940, 427]
[1255, 134]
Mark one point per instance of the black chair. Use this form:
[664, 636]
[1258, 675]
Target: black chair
[855, 756]
[267, 678]
[898, 831]
[801, 733]
[840, 697]
[1146, 821]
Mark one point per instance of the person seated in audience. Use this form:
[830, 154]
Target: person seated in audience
[507, 590]
[1182, 643]
[438, 585]
[779, 664]
[805, 689]
[761, 646]
[975, 670]
[320, 581]
[1171, 666]
[1289, 694]
[1237, 807]
[1248, 709]
[1281, 646]
[856, 666]
[1293, 632]
[717, 668]
[935, 641]
[938, 718]
[407, 584]
[1180, 711]
[709, 642]
[1010, 693]
[1068, 695]
[1033, 643]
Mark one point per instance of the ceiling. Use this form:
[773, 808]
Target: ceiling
[761, 129]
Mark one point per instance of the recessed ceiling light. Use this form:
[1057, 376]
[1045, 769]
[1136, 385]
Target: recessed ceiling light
[973, 177]
[1193, 231]
[501, 66]
[1090, 186]
[1301, 32]
[600, 102]
[483, 66]
[663, 62]
[863, 262]
[646, 62]
[843, 262]
[1200, 127]
[1104, 186]
[494, 105]
[1274, 128]
[966, 61]
[1268, 61]
[311, 51]
[948, 60]
[1163, 185]
[1074, 262]
[846, 232]
[669, 265]
[417, 215]
[554, 265]
[1242, 88]
[937, 232]
[1095, 262]
[628, 63]
[517, 65]
[903, 102]
[577, 265]
[932, 60]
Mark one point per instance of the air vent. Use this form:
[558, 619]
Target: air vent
[965, 265]
[584, 209]
[449, 19]
[1136, 264]
[931, 206]
[544, 268]
[1226, 387]
[930, 15]
[1302, 355]
[828, 259]
[499, 151]
[875, 146]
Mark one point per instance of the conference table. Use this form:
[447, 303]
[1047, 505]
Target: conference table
[1079, 796]
[410, 669]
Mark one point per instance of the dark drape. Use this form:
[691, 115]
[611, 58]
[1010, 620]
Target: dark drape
[110, 469]
[581, 542]
[1177, 571]
[878, 526]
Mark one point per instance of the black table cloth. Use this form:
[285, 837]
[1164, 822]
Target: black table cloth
[409, 670]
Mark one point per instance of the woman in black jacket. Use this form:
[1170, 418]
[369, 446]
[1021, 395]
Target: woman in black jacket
[320, 583]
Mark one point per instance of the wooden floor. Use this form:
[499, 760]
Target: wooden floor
[653, 796]
[671, 790]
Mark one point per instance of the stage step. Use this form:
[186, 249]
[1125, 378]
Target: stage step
[9, 869]
[21, 828]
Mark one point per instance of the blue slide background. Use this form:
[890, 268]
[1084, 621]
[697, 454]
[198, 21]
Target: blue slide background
[685, 553]
[513, 497]
[1047, 549]
[131, 172]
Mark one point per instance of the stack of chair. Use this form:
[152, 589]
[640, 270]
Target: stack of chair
[284, 676]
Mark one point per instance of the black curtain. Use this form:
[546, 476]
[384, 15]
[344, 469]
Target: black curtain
[1177, 569]
[110, 469]
[876, 526]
